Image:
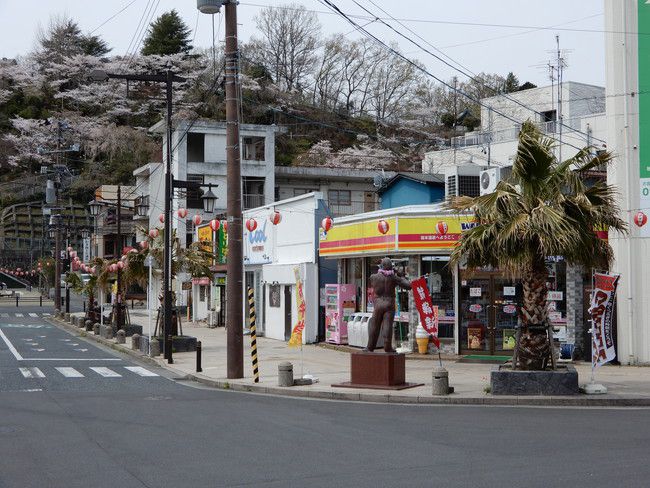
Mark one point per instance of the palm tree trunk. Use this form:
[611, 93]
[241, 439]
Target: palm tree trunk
[533, 347]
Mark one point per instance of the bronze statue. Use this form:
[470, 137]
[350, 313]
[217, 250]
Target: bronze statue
[384, 283]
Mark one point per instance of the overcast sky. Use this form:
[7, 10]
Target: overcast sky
[522, 42]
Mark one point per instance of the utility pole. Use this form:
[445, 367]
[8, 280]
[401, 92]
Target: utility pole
[57, 265]
[234, 283]
[167, 254]
[118, 254]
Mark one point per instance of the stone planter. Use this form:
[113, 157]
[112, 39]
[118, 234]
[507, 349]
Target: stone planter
[129, 330]
[505, 381]
[180, 344]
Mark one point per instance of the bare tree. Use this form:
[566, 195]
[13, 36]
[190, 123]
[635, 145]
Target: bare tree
[328, 78]
[291, 36]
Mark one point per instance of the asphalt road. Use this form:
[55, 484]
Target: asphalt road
[93, 430]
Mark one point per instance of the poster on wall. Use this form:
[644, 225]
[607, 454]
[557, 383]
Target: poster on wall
[509, 339]
[474, 338]
[274, 296]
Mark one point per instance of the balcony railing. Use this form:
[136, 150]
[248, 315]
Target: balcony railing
[478, 138]
[354, 207]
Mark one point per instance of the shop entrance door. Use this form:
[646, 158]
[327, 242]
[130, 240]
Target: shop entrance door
[489, 306]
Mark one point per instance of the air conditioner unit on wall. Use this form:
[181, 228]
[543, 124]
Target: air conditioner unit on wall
[462, 181]
[491, 177]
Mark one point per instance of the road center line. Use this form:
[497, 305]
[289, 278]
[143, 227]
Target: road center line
[11, 346]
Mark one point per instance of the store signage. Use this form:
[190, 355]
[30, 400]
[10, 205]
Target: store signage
[601, 311]
[643, 42]
[201, 281]
[509, 291]
[554, 316]
[476, 308]
[428, 312]
[475, 292]
[555, 296]
[510, 309]
[258, 243]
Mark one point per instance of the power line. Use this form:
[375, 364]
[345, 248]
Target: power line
[453, 22]
[112, 16]
[469, 73]
[418, 67]
[137, 29]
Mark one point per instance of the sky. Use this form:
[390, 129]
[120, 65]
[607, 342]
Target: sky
[495, 37]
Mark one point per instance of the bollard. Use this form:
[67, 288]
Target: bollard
[285, 374]
[154, 347]
[121, 337]
[253, 329]
[135, 342]
[17, 295]
[89, 325]
[440, 381]
[96, 329]
[40, 300]
[199, 369]
[108, 332]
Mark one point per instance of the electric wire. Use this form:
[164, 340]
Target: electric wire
[112, 17]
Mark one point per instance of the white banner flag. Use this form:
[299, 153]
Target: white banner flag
[601, 311]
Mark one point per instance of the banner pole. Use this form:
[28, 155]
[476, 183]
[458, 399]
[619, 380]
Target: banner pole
[591, 321]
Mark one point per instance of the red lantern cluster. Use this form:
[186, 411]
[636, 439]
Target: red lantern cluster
[251, 225]
[326, 224]
[275, 218]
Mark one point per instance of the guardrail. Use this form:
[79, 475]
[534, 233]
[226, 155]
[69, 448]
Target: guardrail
[18, 298]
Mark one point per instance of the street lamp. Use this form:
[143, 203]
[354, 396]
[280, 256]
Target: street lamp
[209, 199]
[94, 207]
[55, 228]
[141, 207]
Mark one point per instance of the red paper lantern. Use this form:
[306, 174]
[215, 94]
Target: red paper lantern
[120, 265]
[251, 225]
[224, 224]
[73, 254]
[161, 218]
[153, 233]
[214, 225]
[144, 244]
[326, 224]
[441, 227]
[70, 248]
[275, 218]
[182, 213]
[197, 219]
[383, 226]
[640, 219]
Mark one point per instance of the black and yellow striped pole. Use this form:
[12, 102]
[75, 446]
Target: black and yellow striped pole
[253, 329]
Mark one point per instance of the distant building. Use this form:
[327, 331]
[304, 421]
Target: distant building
[412, 189]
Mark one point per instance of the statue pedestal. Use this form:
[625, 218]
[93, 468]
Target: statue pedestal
[377, 370]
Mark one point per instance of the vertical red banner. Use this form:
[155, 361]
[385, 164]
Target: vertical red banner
[428, 313]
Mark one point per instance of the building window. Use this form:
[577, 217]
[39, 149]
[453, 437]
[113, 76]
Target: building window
[253, 148]
[194, 196]
[302, 191]
[339, 197]
[195, 147]
[253, 192]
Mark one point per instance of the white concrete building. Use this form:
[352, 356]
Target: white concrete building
[627, 63]
[273, 254]
[495, 142]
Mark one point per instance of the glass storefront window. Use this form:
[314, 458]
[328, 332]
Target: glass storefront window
[354, 276]
[441, 287]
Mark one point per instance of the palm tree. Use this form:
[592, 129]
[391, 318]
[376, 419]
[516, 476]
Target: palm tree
[544, 209]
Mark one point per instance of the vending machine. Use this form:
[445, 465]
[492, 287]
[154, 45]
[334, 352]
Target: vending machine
[340, 304]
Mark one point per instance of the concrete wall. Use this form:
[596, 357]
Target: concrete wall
[631, 252]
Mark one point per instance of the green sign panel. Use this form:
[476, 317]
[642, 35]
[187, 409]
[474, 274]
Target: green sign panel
[643, 39]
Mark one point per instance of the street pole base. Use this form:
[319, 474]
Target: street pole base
[593, 389]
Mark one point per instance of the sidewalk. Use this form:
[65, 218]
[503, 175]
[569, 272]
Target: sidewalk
[627, 385]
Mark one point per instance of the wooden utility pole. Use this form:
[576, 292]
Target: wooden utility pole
[234, 283]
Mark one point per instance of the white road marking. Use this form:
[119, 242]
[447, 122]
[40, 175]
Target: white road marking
[65, 340]
[46, 314]
[140, 371]
[37, 349]
[4, 315]
[28, 340]
[73, 344]
[82, 350]
[42, 337]
[32, 314]
[106, 373]
[69, 359]
[31, 390]
[32, 373]
[11, 346]
[19, 315]
[69, 372]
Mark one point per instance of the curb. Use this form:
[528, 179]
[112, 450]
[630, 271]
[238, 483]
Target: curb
[486, 400]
